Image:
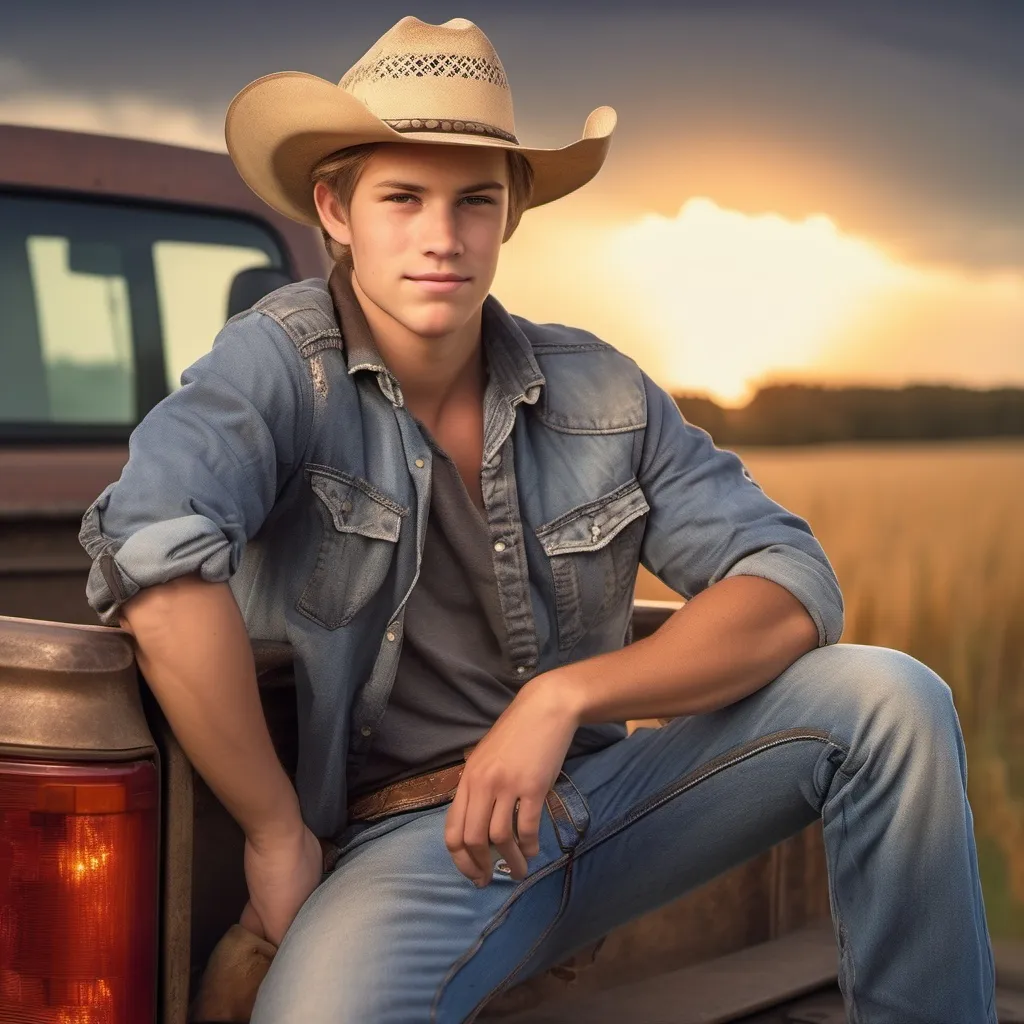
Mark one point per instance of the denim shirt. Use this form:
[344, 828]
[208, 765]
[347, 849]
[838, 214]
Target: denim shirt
[289, 466]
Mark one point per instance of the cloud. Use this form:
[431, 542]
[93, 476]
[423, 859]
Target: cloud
[715, 300]
[27, 100]
[735, 296]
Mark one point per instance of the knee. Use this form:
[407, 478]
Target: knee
[906, 680]
[897, 692]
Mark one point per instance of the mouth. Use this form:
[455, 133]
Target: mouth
[439, 282]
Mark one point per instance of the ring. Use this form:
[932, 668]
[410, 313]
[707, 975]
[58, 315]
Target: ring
[515, 822]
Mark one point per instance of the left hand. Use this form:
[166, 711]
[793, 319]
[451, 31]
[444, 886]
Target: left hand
[518, 759]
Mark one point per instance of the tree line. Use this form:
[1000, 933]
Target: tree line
[782, 414]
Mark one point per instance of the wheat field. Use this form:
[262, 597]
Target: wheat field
[927, 541]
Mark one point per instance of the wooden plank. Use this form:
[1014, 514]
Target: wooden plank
[713, 992]
[1009, 1006]
[1009, 957]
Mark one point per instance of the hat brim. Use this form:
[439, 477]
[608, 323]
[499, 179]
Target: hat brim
[280, 126]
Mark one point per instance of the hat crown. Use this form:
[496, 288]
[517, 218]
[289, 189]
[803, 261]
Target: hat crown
[421, 71]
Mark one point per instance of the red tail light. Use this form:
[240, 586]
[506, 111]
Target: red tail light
[78, 893]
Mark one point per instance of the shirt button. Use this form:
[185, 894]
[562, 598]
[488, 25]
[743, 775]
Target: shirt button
[420, 463]
[390, 635]
[366, 730]
[520, 670]
[499, 545]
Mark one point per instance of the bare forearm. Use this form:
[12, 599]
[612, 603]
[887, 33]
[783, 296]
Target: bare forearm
[724, 644]
[193, 649]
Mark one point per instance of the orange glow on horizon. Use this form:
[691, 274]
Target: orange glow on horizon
[741, 297]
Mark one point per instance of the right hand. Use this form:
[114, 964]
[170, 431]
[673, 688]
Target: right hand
[281, 873]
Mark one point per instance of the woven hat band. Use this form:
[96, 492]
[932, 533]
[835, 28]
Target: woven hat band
[440, 99]
[433, 124]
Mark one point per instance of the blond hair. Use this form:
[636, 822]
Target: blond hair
[341, 170]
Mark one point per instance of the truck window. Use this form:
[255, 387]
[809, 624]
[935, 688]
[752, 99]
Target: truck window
[192, 283]
[106, 302]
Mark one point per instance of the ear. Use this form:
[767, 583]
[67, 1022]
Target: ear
[332, 216]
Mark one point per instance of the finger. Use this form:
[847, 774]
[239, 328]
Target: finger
[455, 822]
[528, 825]
[502, 837]
[454, 832]
[476, 837]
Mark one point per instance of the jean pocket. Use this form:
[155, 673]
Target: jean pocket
[569, 812]
[594, 550]
[360, 528]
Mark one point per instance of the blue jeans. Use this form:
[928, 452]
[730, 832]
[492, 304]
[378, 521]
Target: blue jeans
[866, 737]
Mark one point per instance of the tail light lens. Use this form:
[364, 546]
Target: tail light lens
[78, 893]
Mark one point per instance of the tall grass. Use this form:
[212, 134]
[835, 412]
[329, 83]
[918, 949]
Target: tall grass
[928, 543]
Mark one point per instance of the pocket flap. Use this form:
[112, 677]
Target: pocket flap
[356, 506]
[589, 527]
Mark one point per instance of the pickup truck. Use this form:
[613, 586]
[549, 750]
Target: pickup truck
[119, 870]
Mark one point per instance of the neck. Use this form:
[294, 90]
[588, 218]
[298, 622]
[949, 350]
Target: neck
[435, 373]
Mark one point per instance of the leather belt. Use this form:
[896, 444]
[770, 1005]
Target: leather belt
[429, 789]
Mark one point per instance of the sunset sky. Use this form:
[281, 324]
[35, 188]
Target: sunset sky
[795, 190]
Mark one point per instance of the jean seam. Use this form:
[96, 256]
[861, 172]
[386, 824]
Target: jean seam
[499, 915]
[847, 971]
[700, 774]
[508, 981]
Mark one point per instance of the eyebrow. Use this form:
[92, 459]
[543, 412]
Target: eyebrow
[406, 186]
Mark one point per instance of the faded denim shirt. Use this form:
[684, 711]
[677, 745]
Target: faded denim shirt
[289, 466]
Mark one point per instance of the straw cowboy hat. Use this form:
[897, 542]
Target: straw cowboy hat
[417, 83]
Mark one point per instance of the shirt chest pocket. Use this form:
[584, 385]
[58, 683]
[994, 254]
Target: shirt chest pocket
[360, 527]
[594, 551]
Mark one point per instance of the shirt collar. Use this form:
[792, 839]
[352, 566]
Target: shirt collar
[508, 351]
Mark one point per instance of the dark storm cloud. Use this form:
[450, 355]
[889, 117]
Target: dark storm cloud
[915, 109]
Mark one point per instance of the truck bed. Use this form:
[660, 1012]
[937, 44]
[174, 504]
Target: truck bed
[790, 980]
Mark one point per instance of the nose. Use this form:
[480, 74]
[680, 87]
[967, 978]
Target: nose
[439, 232]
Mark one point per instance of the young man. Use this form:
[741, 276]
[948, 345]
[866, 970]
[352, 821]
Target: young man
[442, 507]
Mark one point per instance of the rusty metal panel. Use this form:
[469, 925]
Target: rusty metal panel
[43, 569]
[52, 481]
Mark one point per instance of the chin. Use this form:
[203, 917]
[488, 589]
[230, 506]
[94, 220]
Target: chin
[437, 322]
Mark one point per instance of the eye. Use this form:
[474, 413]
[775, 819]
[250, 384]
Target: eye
[481, 200]
[398, 196]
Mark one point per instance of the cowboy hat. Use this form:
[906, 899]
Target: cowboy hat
[418, 83]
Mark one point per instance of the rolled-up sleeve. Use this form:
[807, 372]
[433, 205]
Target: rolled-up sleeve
[203, 469]
[710, 520]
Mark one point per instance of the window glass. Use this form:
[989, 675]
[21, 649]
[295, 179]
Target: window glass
[85, 344]
[193, 280]
[105, 303]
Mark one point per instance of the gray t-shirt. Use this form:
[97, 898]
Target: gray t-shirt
[454, 674]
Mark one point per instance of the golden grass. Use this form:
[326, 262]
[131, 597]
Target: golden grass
[927, 541]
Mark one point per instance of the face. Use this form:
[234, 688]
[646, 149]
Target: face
[420, 212]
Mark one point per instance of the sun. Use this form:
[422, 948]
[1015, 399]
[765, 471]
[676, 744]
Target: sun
[737, 297]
